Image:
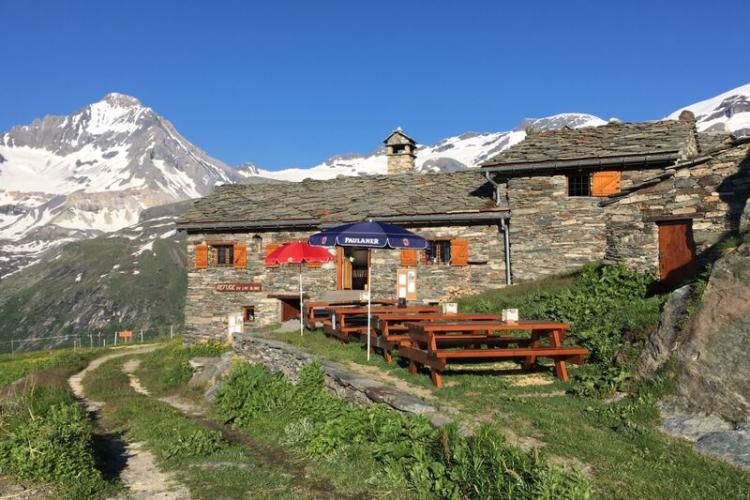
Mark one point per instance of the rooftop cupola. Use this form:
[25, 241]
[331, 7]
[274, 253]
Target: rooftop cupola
[401, 151]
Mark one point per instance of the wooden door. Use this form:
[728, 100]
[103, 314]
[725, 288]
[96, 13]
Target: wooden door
[343, 270]
[676, 252]
[289, 309]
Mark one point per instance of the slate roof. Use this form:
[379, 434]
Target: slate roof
[345, 199]
[661, 138]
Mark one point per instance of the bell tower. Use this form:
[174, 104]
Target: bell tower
[401, 151]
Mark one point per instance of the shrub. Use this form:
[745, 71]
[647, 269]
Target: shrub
[46, 438]
[406, 448]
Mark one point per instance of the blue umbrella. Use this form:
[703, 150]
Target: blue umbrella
[368, 234]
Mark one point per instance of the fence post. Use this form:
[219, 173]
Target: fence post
[115, 336]
[141, 335]
[91, 341]
[12, 350]
[171, 331]
[105, 342]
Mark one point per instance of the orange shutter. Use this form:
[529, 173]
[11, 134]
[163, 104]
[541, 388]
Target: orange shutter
[605, 183]
[270, 247]
[240, 256]
[313, 265]
[408, 257]
[459, 252]
[201, 256]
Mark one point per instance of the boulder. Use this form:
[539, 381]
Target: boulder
[668, 336]
[291, 325]
[713, 369]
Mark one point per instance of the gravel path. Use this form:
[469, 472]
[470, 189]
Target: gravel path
[141, 476]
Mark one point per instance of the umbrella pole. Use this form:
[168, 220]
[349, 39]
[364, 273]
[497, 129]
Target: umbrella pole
[369, 306]
[301, 309]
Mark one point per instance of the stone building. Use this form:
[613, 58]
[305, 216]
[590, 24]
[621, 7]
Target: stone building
[655, 196]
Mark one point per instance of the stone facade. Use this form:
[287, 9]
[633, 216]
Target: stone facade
[553, 233]
[207, 310]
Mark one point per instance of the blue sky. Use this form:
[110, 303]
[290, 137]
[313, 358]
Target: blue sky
[290, 83]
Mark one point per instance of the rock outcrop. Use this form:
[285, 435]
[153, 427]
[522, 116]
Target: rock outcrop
[714, 372]
[668, 337]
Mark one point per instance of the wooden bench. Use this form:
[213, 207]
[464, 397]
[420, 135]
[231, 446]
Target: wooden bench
[390, 330]
[315, 312]
[435, 344]
[353, 320]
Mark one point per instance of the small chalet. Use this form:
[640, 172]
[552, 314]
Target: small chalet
[654, 196]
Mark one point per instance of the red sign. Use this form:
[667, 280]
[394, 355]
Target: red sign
[238, 287]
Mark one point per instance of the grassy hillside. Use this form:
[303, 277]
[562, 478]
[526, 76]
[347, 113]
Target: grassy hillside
[133, 278]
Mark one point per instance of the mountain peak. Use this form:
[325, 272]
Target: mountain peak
[121, 100]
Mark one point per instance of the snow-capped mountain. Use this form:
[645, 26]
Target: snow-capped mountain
[461, 152]
[64, 178]
[727, 112]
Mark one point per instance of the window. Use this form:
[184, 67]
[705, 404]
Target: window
[248, 314]
[398, 148]
[579, 184]
[257, 243]
[224, 255]
[438, 252]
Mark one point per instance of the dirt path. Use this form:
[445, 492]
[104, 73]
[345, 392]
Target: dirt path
[140, 474]
[273, 456]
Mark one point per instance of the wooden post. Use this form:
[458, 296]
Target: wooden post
[12, 350]
[141, 335]
[91, 341]
[115, 338]
[171, 331]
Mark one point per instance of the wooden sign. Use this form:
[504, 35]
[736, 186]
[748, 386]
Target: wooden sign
[238, 287]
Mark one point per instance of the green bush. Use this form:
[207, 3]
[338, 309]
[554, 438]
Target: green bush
[169, 368]
[46, 438]
[406, 448]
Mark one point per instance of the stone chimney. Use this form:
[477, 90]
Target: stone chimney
[401, 151]
[686, 116]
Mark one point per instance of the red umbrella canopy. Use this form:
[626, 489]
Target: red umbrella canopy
[297, 253]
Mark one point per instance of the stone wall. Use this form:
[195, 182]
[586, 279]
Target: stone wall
[206, 310]
[553, 233]
[713, 194]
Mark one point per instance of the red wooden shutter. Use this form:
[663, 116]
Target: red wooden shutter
[313, 265]
[459, 252]
[605, 183]
[201, 256]
[408, 257]
[270, 247]
[240, 256]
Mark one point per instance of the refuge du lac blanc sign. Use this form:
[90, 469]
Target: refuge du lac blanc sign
[238, 287]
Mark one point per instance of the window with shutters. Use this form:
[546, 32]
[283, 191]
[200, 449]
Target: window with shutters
[223, 254]
[579, 184]
[409, 257]
[201, 256]
[605, 183]
[270, 247]
[438, 252]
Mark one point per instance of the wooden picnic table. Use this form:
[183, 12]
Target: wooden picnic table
[435, 344]
[347, 320]
[391, 330]
[316, 311]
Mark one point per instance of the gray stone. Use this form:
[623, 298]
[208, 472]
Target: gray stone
[209, 371]
[713, 368]
[291, 325]
[667, 338]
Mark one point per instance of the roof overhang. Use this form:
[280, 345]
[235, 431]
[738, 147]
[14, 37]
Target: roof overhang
[473, 217]
[545, 167]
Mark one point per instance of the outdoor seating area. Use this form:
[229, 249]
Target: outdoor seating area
[426, 337]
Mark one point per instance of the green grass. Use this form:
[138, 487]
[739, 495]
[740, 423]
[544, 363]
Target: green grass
[14, 367]
[46, 439]
[191, 448]
[618, 444]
